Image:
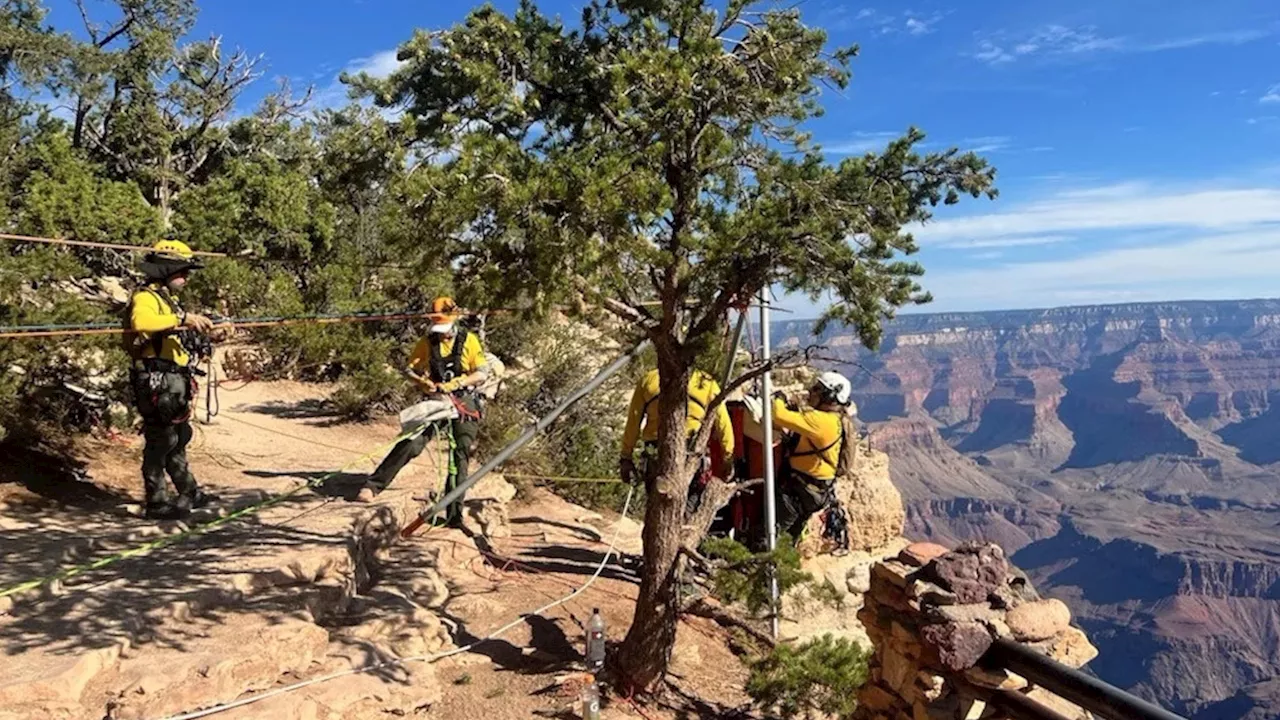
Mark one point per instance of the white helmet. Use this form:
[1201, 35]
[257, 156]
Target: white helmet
[837, 386]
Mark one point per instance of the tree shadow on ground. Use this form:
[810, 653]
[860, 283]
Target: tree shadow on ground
[325, 483]
[575, 561]
[687, 706]
[586, 533]
[58, 479]
[548, 643]
[309, 409]
[131, 599]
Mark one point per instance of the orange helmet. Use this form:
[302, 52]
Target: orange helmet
[444, 314]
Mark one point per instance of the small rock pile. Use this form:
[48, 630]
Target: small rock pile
[931, 615]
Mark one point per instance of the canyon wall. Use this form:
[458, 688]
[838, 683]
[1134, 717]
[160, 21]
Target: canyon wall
[1128, 455]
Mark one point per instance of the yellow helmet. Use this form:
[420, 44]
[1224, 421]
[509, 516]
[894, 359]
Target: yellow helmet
[168, 258]
[173, 248]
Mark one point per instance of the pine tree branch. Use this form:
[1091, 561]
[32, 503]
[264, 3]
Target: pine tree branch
[712, 610]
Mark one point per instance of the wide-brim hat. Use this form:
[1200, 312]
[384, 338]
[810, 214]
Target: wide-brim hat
[157, 266]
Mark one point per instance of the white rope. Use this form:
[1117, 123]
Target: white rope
[421, 658]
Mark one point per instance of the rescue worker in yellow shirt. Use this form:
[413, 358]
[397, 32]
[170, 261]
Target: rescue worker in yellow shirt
[811, 451]
[449, 360]
[161, 378]
[643, 423]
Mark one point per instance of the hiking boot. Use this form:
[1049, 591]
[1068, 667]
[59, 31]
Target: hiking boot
[165, 511]
[203, 499]
[366, 495]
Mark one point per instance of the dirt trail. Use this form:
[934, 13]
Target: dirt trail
[310, 587]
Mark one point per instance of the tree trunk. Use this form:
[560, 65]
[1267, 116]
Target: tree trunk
[646, 650]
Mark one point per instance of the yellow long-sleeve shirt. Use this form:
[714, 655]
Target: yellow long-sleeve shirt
[817, 429]
[152, 314]
[643, 420]
[472, 354]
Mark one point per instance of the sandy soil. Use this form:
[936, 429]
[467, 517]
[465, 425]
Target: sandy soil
[268, 437]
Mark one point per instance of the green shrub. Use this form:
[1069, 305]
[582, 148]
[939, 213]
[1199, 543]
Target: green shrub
[585, 441]
[742, 576]
[822, 675]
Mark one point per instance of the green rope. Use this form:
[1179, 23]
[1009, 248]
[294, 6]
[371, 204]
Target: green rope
[70, 572]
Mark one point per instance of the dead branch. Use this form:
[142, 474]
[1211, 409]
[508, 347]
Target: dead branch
[716, 495]
[712, 610]
[630, 313]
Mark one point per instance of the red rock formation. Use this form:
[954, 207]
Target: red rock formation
[1128, 454]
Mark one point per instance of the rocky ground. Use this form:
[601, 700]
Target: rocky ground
[310, 587]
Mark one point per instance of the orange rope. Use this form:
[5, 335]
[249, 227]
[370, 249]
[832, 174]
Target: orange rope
[85, 243]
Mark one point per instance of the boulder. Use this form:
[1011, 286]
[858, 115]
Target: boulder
[1039, 620]
[1071, 648]
[492, 487]
[973, 571]
[919, 554]
[959, 644]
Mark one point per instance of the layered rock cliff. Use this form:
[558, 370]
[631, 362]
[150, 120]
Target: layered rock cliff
[1127, 454]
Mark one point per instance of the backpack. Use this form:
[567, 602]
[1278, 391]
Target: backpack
[132, 342]
[848, 459]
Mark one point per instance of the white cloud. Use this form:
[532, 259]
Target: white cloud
[1272, 95]
[908, 21]
[917, 26]
[1009, 242]
[1051, 40]
[1129, 206]
[1233, 37]
[862, 142]
[378, 65]
[1216, 266]
[1063, 42]
[989, 52]
[987, 144]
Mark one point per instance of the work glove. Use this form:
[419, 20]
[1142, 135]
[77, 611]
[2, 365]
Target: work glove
[450, 387]
[627, 470]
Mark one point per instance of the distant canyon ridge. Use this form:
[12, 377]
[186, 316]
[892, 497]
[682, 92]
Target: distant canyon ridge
[1128, 456]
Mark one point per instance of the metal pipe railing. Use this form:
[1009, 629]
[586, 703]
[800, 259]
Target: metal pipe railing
[1016, 705]
[1086, 691]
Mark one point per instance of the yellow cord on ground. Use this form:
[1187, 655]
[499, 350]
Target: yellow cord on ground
[70, 572]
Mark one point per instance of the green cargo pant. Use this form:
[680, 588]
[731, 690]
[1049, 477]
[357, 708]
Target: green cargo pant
[464, 437]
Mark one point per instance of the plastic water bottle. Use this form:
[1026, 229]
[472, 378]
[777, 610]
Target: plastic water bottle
[595, 641]
[591, 702]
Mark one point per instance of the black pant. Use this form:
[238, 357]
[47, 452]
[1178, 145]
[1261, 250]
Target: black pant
[165, 452]
[797, 502]
[464, 437]
[162, 394]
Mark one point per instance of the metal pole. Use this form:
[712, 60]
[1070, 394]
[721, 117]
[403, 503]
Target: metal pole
[770, 493]
[1090, 693]
[524, 438]
[733, 348]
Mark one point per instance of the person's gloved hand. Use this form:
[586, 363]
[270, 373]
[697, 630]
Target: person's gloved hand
[627, 470]
[449, 387]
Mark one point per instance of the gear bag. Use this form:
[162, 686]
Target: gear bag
[163, 395]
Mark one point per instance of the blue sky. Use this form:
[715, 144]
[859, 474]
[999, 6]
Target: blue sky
[1137, 141]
